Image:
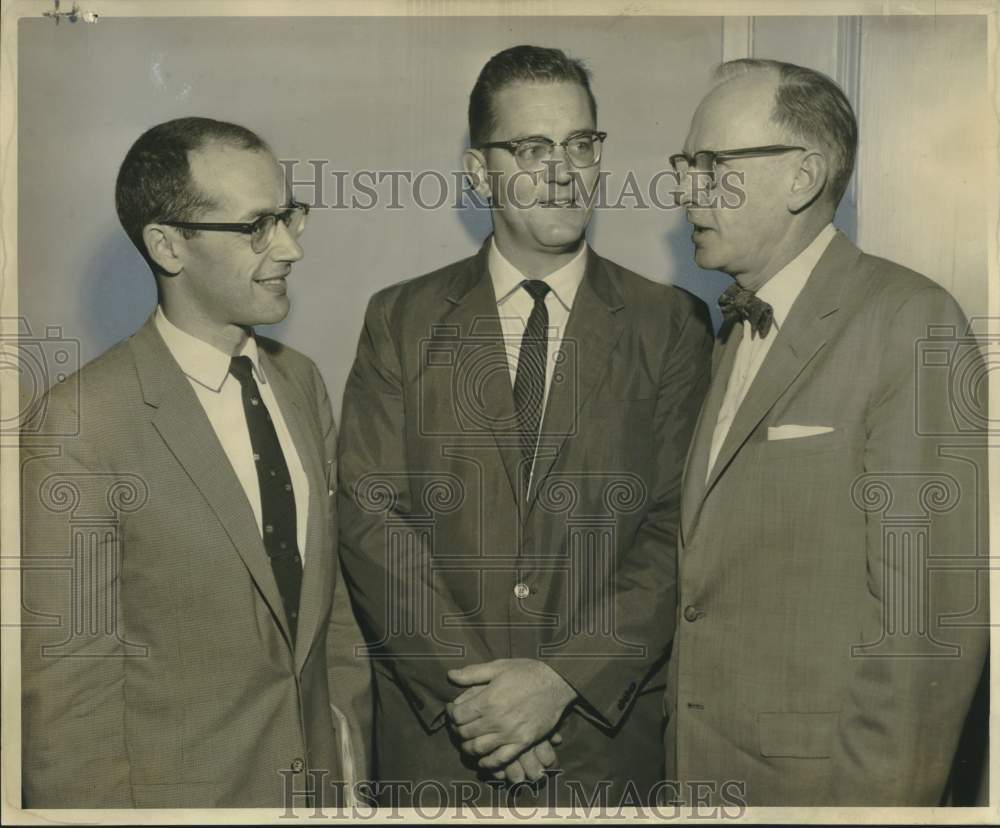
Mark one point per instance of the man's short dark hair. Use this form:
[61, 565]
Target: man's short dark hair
[812, 107]
[154, 181]
[521, 64]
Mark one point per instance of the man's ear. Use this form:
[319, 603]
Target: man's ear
[810, 180]
[162, 246]
[476, 169]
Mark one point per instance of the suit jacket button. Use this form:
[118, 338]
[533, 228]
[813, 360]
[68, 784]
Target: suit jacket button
[691, 613]
[298, 765]
[521, 591]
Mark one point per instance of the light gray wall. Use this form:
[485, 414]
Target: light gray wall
[919, 86]
[926, 104]
[363, 93]
[391, 94]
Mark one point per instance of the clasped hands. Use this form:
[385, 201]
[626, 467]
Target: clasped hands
[507, 715]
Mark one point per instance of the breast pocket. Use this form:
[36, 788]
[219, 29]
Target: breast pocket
[831, 441]
[621, 410]
[618, 434]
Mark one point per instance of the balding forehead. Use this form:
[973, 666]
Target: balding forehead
[737, 113]
[752, 93]
[237, 178]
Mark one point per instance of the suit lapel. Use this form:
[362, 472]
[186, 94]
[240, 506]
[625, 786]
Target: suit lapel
[473, 325]
[696, 465]
[806, 330]
[594, 328]
[316, 580]
[184, 427]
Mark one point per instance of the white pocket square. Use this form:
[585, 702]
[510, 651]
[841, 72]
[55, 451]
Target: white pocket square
[793, 432]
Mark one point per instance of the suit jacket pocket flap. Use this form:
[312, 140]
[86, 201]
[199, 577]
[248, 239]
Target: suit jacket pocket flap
[619, 409]
[797, 735]
[180, 795]
[828, 441]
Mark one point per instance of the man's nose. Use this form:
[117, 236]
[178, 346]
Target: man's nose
[284, 246]
[684, 189]
[558, 167]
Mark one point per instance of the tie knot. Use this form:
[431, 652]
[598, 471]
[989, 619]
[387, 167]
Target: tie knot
[537, 288]
[242, 368]
[738, 303]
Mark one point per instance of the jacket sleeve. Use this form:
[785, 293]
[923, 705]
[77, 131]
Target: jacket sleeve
[911, 685]
[388, 582]
[72, 639]
[643, 596]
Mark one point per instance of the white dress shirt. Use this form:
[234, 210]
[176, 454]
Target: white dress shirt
[514, 306]
[207, 369]
[780, 292]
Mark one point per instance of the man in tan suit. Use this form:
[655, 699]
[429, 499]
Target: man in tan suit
[181, 610]
[831, 621]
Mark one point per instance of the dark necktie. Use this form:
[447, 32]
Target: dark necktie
[738, 303]
[529, 384]
[277, 499]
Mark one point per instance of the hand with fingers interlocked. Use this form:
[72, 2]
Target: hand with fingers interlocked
[507, 712]
[531, 765]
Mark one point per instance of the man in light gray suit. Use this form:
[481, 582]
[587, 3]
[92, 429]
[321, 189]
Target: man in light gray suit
[831, 618]
[184, 633]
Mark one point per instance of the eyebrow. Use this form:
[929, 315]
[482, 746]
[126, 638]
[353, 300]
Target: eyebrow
[253, 215]
[535, 136]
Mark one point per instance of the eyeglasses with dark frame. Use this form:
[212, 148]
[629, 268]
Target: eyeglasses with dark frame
[582, 149]
[261, 230]
[704, 161]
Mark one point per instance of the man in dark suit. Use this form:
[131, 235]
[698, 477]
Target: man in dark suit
[181, 613]
[833, 618]
[514, 429]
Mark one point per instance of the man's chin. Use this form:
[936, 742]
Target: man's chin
[705, 260]
[275, 312]
[562, 238]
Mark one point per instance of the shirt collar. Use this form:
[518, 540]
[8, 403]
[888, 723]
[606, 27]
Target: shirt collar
[782, 289]
[564, 282]
[203, 363]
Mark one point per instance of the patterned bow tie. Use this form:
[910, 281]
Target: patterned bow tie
[738, 303]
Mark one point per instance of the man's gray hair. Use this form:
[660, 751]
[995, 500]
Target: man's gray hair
[811, 107]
